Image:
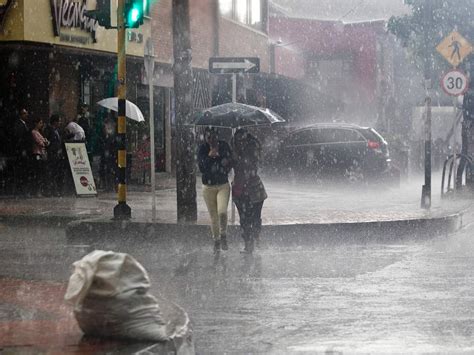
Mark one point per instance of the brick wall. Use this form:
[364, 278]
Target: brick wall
[64, 86]
[290, 63]
[234, 39]
[34, 82]
[237, 40]
[202, 26]
[162, 31]
[203, 29]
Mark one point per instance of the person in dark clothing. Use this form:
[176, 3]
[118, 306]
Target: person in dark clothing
[248, 191]
[55, 164]
[215, 163]
[38, 157]
[23, 147]
[83, 120]
[108, 159]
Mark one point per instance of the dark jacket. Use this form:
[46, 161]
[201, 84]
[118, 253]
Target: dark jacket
[247, 183]
[215, 171]
[23, 139]
[55, 148]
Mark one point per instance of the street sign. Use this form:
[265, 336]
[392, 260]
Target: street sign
[454, 83]
[454, 48]
[233, 65]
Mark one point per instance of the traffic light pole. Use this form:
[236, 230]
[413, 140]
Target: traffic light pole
[121, 210]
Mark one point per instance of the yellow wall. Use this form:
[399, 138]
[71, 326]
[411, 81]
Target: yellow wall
[32, 20]
[12, 29]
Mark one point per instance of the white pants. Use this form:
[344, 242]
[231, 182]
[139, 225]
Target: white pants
[217, 200]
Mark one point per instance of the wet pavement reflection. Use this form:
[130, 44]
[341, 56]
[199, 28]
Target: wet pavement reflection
[406, 296]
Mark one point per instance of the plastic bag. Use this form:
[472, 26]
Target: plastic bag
[109, 292]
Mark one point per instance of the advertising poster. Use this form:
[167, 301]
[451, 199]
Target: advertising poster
[80, 169]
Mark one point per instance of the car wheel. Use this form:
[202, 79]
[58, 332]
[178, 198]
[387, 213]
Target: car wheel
[354, 172]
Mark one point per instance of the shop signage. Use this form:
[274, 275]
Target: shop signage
[133, 36]
[3, 10]
[70, 14]
[80, 169]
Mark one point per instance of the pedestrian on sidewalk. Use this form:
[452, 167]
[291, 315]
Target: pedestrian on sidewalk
[23, 146]
[248, 191]
[74, 133]
[215, 163]
[55, 164]
[38, 157]
[108, 157]
[83, 120]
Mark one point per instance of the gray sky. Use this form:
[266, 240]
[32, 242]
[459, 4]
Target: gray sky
[344, 10]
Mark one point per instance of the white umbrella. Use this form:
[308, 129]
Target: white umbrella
[133, 111]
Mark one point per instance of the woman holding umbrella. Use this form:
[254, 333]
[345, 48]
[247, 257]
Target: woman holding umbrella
[248, 191]
[215, 163]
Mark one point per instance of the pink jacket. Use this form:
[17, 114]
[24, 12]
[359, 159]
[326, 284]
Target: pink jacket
[40, 143]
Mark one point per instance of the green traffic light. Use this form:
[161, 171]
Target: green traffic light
[134, 15]
[135, 10]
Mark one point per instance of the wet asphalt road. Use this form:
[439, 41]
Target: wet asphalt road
[409, 296]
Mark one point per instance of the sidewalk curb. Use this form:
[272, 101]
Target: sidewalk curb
[40, 220]
[100, 230]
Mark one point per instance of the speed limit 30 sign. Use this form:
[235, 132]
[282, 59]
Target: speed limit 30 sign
[454, 82]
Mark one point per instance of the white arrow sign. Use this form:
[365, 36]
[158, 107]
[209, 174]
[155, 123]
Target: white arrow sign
[246, 65]
[233, 65]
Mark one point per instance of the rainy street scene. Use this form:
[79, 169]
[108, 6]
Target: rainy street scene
[236, 177]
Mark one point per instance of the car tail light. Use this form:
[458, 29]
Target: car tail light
[373, 144]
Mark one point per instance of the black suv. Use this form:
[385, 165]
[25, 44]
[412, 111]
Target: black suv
[336, 150]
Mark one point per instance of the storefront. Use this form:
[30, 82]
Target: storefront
[53, 59]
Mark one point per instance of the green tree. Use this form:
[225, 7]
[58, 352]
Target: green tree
[438, 18]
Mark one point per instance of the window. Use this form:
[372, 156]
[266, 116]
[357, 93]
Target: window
[348, 135]
[302, 138]
[226, 7]
[248, 12]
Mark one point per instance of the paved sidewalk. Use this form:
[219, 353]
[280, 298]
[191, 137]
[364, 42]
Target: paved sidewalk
[290, 204]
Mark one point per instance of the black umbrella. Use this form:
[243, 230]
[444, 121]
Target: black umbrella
[236, 115]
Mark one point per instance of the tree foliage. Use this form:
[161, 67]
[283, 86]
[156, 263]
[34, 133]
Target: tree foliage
[428, 24]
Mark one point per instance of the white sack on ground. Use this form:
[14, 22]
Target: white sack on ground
[109, 292]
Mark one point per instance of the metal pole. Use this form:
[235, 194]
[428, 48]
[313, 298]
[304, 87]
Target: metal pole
[454, 147]
[234, 88]
[234, 99]
[150, 67]
[121, 210]
[426, 189]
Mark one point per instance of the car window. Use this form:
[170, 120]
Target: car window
[329, 135]
[302, 137]
[348, 135]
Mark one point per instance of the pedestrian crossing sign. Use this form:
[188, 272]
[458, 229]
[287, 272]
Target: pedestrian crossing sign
[454, 48]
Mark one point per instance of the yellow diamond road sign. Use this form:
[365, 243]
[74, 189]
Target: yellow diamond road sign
[454, 48]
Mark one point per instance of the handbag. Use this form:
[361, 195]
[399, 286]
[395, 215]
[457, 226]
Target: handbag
[256, 190]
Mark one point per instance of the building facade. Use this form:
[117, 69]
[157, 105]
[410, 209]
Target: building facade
[54, 58]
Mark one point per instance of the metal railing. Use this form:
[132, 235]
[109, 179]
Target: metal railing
[462, 168]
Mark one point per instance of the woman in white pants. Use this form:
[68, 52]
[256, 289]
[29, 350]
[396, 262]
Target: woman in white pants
[215, 162]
